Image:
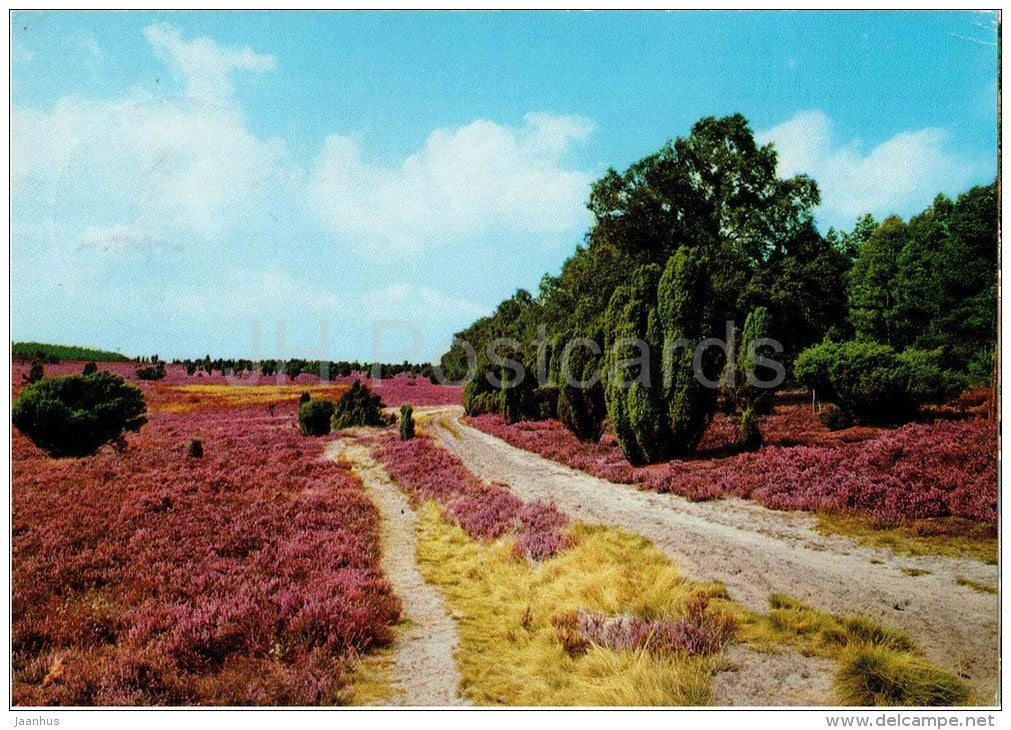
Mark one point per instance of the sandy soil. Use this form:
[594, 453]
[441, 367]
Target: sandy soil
[756, 551]
[424, 669]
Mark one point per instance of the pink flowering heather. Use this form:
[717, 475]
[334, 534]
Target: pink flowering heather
[946, 467]
[484, 511]
[697, 632]
[248, 576]
[394, 391]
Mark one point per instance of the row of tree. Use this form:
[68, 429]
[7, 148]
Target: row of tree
[703, 232]
[296, 366]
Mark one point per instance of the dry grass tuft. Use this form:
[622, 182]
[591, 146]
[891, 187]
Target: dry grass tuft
[878, 665]
[876, 675]
[976, 585]
[950, 536]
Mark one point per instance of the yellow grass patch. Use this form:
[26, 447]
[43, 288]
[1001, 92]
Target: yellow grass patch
[510, 653]
[951, 536]
[877, 665]
[371, 679]
[186, 398]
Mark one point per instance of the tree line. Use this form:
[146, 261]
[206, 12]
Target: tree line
[703, 231]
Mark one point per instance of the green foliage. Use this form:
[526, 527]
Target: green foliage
[717, 190]
[871, 383]
[151, 372]
[304, 398]
[632, 385]
[314, 416]
[479, 398]
[359, 406]
[74, 415]
[56, 353]
[90, 368]
[749, 433]
[196, 449]
[518, 399]
[686, 312]
[833, 417]
[406, 422]
[931, 283]
[928, 382]
[870, 281]
[545, 402]
[35, 373]
[583, 410]
[874, 675]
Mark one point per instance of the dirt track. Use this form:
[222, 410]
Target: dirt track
[424, 669]
[756, 551]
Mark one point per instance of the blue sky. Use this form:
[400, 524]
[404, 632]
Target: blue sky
[182, 179]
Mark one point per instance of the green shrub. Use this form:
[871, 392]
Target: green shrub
[872, 383]
[684, 310]
[74, 415]
[637, 411]
[873, 675]
[928, 381]
[196, 448]
[833, 418]
[406, 422]
[546, 402]
[359, 406]
[35, 373]
[581, 410]
[314, 416]
[518, 400]
[304, 398]
[90, 368]
[151, 372]
[478, 399]
[749, 434]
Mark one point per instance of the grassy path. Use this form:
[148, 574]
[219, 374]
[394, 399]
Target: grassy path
[424, 669]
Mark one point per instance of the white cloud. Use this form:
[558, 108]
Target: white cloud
[479, 179]
[900, 175]
[206, 67]
[152, 162]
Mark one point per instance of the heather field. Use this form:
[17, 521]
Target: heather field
[941, 467]
[399, 389]
[143, 575]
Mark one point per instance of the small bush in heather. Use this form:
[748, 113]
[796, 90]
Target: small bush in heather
[867, 380]
[151, 372]
[74, 415]
[196, 448]
[749, 434]
[304, 398]
[359, 406]
[35, 373]
[314, 416]
[406, 422]
[90, 368]
[833, 418]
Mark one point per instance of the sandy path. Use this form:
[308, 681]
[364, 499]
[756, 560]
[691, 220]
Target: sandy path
[756, 551]
[424, 670]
